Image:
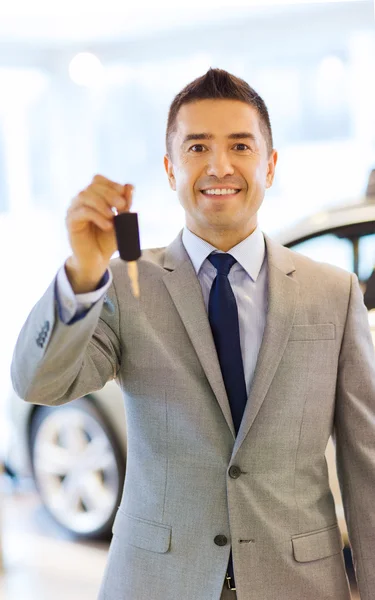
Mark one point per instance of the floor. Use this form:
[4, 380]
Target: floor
[40, 562]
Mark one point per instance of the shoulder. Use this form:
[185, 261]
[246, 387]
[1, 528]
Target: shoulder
[307, 271]
[322, 269]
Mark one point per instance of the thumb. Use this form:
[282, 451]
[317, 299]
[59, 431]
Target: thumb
[128, 195]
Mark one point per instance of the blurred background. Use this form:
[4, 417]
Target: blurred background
[85, 88]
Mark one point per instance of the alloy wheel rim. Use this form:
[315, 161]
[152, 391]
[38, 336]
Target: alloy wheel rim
[76, 470]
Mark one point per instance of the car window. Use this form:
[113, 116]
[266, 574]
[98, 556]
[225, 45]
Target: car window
[366, 256]
[328, 248]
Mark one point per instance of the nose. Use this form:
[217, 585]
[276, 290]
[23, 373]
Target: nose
[219, 165]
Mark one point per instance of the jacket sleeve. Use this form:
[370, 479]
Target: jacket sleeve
[73, 307]
[354, 435]
[54, 362]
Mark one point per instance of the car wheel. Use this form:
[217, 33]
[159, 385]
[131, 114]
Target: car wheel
[78, 467]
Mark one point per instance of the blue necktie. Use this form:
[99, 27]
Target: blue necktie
[223, 318]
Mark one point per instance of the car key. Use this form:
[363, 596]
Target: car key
[127, 235]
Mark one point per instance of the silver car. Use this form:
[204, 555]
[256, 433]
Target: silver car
[76, 453]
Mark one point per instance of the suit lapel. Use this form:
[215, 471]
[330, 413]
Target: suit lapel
[185, 291]
[282, 300]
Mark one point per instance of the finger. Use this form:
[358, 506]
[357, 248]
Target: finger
[107, 182]
[128, 195]
[99, 206]
[83, 215]
[95, 202]
[103, 200]
[100, 198]
[112, 198]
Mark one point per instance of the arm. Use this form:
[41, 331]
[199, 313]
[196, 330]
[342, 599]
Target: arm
[354, 435]
[55, 360]
[68, 360]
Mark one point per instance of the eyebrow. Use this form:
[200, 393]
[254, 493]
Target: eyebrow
[242, 135]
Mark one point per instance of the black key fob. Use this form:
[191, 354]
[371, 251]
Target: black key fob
[127, 235]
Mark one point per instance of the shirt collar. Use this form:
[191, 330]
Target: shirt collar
[249, 253]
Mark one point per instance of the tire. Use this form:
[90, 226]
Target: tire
[78, 467]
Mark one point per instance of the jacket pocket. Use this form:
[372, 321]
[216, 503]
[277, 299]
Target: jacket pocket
[141, 533]
[319, 331]
[317, 544]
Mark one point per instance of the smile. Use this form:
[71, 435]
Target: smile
[220, 192]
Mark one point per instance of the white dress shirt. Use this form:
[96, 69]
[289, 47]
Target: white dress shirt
[248, 279]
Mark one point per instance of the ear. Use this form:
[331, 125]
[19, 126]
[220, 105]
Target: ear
[169, 170]
[271, 168]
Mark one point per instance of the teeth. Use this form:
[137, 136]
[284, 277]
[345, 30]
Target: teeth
[219, 192]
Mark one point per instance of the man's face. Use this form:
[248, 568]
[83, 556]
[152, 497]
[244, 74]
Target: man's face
[235, 157]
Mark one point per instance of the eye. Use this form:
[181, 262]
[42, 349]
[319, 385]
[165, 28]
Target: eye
[196, 146]
[244, 147]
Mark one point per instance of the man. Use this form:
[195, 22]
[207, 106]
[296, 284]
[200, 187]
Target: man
[237, 362]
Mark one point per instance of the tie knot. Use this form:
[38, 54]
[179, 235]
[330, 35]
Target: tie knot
[222, 262]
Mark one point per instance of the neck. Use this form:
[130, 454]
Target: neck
[222, 239]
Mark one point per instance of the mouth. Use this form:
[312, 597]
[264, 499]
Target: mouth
[221, 196]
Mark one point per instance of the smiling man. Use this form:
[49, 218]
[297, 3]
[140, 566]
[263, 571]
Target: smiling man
[238, 362]
[220, 162]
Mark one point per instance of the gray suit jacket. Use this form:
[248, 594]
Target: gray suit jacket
[315, 376]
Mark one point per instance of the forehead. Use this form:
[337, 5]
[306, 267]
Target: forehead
[218, 117]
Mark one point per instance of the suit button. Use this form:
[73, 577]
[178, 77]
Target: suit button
[234, 471]
[220, 540]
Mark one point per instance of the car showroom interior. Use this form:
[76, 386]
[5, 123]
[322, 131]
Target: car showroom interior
[124, 473]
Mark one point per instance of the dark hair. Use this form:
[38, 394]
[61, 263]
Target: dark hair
[219, 84]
